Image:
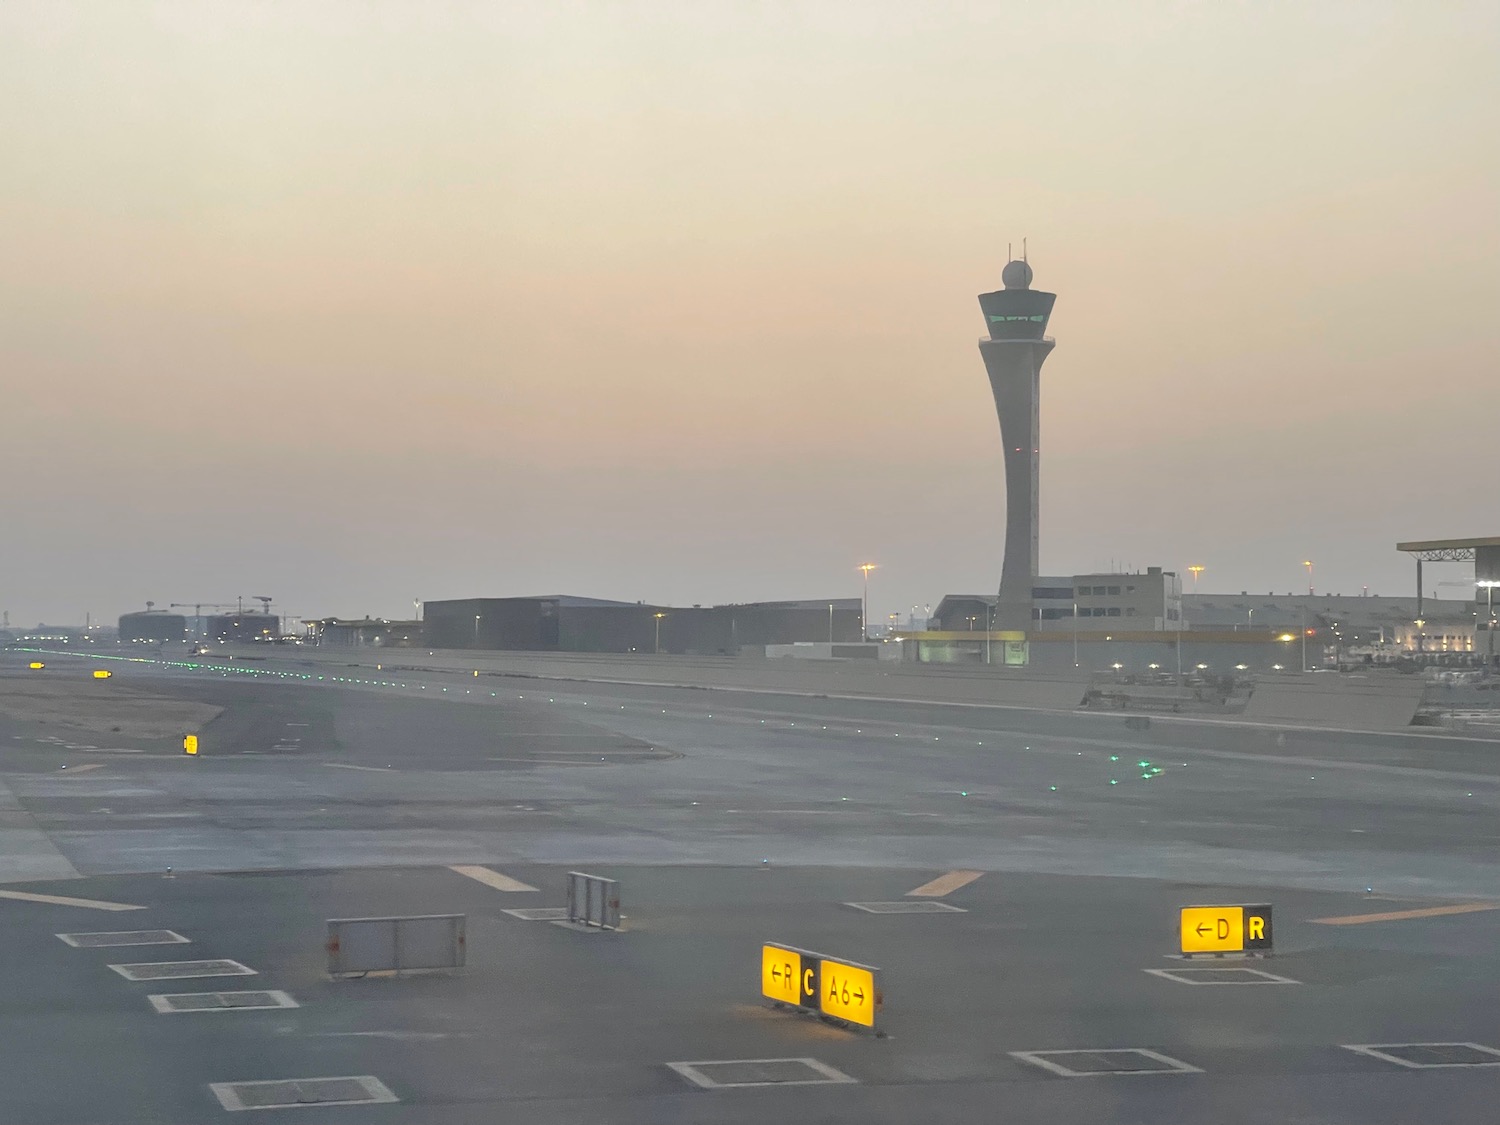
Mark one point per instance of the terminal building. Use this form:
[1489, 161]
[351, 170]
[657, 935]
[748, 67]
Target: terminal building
[241, 628]
[153, 627]
[567, 623]
[367, 632]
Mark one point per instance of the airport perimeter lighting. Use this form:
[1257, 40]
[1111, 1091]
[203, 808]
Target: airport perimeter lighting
[658, 617]
[1195, 571]
[1308, 563]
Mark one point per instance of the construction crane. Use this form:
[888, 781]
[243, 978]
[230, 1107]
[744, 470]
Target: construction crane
[265, 602]
[198, 607]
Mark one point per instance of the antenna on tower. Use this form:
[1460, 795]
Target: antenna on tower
[1008, 256]
[1023, 250]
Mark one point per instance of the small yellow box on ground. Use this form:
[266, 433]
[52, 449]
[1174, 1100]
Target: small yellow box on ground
[190, 744]
[36, 664]
[102, 674]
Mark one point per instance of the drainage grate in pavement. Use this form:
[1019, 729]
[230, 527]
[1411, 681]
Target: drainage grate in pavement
[909, 906]
[219, 1001]
[539, 913]
[1221, 976]
[1109, 1060]
[727, 1073]
[123, 937]
[358, 1089]
[177, 970]
[1422, 1056]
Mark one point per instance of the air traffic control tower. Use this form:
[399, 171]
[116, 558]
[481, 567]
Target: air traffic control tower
[1013, 355]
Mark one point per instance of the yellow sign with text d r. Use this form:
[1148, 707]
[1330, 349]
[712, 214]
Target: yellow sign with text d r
[190, 744]
[1225, 929]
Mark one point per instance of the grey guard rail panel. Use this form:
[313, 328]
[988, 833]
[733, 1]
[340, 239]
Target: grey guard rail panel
[593, 901]
[369, 945]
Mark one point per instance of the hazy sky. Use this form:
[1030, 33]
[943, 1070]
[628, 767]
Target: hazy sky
[355, 303]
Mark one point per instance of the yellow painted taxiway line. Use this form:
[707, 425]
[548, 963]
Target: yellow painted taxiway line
[492, 878]
[60, 900]
[1402, 915]
[944, 884]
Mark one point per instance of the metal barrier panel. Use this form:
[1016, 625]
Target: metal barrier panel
[370, 945]
[593, 901]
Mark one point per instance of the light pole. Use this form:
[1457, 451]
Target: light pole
[1195, 571]
[1075, 634]
[1308, 563]
[1489, 591]
[476, 630]
[864, 605]
[989, 632]
[830, 623]
[658, 617]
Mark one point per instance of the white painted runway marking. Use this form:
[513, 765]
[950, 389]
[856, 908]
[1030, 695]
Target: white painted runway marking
[491, 878]
[366, 769]
[61, 900]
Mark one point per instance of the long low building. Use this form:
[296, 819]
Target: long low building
[566, 623]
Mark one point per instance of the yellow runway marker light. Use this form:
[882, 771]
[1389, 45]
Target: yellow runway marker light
[36, 664]
[190, 744]
[102, 674]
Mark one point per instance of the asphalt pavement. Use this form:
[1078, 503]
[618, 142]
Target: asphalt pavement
[1060, 849]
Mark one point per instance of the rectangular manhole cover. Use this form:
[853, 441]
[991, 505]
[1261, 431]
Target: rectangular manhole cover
[124, 937]
[1221, 976]
[178, 970]
[219, 1001]
[359, 1089]
[1111, 1060]
[539, 913]
[909, 906]
[726, 1073]
[1421, 1056]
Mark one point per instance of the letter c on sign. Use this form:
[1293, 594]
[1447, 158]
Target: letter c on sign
[807, 982]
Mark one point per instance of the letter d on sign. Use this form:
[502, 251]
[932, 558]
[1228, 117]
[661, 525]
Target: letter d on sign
[1223, 929]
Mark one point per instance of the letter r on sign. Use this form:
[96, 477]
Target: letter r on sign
[1257, 928]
